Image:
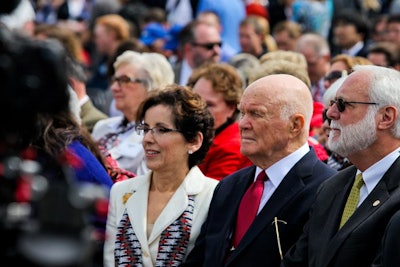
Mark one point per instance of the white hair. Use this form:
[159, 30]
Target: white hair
[330, 93]
[23, 13]
[154, 67]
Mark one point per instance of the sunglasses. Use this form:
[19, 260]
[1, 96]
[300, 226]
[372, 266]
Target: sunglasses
[341, 104]
[208, 46]
[334, 75]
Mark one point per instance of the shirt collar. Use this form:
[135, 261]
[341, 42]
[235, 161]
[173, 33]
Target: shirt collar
[352, 51]
[374, 174]
[278, 170]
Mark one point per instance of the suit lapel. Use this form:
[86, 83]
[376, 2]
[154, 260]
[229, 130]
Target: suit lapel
[137, 209]
[290, 185]
[334, 214]
[178, 203]
[174, 208]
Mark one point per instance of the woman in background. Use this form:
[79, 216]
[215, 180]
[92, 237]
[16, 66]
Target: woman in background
[220, 86]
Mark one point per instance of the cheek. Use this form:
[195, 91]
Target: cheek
[137, 95]
[176, 153]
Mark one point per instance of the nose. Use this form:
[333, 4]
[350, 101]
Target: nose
[333, 112]
[243, 123]
[217, 48]
[148, 138]
[114, 86]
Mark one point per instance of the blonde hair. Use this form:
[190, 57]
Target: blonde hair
[295, 57]
[281, 66]
[117, 24]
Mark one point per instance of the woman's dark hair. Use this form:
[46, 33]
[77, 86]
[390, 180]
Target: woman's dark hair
[55, 132]
[190, 116]
[33, 80]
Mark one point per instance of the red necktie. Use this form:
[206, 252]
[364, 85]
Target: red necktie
[248, 207]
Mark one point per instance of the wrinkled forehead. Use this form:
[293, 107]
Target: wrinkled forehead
[255, 95]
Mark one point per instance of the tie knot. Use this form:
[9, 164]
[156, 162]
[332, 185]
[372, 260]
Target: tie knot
[262, 176]
[359, 181]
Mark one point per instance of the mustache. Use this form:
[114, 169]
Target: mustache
[335, 125]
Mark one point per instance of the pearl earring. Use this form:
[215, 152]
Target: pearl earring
[190, 152]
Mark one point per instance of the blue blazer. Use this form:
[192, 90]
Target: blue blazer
[91, 170]
[290, 203]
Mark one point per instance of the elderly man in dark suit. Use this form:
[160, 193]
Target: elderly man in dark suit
[348, 219]
[275, 116]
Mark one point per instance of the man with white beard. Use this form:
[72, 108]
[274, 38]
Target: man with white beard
[365, 129]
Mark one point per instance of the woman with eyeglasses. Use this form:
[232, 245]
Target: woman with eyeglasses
[154, 219]
[136, 74]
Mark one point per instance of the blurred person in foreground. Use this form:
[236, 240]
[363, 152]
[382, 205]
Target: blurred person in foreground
[275, 114]
[154, 219]
[363, 197]
[136, 74]
[57, 133]
[220, 86]
[43, 187]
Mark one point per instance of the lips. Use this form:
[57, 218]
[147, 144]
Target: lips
[151, 152]
[244, 139]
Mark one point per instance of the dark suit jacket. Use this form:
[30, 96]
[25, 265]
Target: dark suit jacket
[290, 203]
[358, 242]
[177, 68]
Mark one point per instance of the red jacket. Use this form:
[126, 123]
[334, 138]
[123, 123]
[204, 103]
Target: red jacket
[224, 156]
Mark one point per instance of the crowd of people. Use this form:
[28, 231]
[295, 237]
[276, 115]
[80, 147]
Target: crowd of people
[216, 133]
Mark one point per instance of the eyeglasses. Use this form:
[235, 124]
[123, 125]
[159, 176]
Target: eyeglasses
[334, 75]
[124, 79]
[341, 104]
[143, 129]
[208, 46]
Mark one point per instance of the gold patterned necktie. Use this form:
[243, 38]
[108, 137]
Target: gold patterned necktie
[352, 200]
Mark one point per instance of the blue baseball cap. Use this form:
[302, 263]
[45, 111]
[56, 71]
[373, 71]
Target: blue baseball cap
[171, 38]
[152, 32]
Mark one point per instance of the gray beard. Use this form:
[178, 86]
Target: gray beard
[353, 137]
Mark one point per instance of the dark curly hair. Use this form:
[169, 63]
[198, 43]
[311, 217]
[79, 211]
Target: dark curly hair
[190, 116]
